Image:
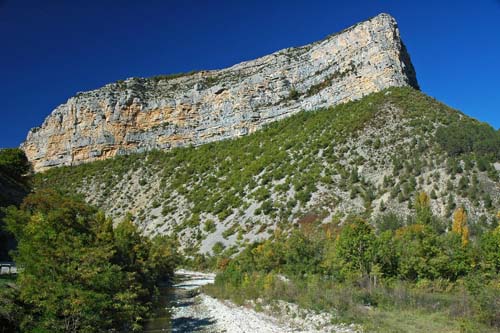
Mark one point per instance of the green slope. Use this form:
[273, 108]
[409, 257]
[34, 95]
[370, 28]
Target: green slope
[365, 157]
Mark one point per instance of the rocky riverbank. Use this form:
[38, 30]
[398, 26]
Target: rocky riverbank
[196, 312]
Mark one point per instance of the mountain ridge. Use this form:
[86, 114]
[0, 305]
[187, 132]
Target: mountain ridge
[163, 112]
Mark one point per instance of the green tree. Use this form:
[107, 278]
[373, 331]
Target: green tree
[78, 273]
[385, 254]
[11, 309]
[354, 247]
[417, 248]
[162, 257]
[13, 162]
[454, 260]
[301, 254]
[490, 251]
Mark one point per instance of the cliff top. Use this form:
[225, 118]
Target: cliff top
[166, 111]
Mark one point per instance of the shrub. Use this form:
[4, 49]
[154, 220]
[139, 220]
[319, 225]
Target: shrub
[209, 226]
[293, 94]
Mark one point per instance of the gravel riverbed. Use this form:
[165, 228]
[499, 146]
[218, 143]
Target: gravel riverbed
[196, 312]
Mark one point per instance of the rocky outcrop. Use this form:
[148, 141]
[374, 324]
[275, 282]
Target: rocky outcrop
[162, 112]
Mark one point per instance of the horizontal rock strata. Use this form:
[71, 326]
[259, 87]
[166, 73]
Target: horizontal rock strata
[162, 112]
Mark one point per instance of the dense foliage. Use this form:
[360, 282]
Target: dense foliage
[78, 273]
[14, 185]
[467, 136]
[366, 266]
[13, 162]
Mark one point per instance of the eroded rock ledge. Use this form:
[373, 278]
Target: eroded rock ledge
[162, 112]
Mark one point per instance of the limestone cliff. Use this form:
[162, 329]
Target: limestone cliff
[162, 112]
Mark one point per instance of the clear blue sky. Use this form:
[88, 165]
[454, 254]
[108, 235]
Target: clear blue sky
[52, 49]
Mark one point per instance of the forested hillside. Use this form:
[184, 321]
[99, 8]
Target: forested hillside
[369, 157]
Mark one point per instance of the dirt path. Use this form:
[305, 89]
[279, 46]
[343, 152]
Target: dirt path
[195, 312]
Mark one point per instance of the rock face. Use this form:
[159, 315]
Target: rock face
[163, 112]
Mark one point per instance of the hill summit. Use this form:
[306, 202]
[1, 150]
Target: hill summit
[167, 111]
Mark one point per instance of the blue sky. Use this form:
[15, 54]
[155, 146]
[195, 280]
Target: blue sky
[52, 49]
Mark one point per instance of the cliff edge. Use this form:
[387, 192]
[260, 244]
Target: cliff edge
[163, 112]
